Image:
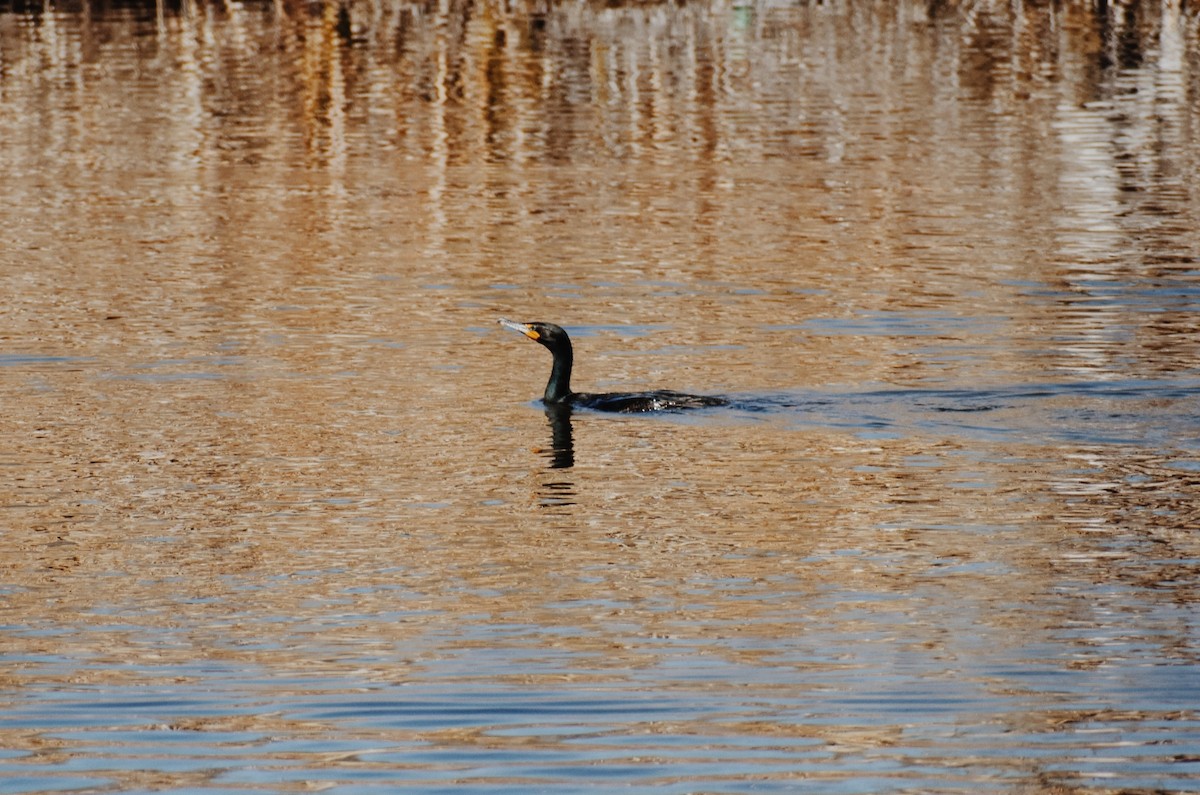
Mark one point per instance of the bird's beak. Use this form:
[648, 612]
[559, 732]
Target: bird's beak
[524, 328]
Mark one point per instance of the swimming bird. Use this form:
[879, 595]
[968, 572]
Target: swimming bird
[558, 388]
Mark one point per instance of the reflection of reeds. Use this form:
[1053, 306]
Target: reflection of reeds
[1079, 105]
[522, 83]
[648, 75]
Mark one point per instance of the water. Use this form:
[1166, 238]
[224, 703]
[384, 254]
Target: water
[281, 512]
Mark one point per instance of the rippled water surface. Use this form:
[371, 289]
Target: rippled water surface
[280, 510]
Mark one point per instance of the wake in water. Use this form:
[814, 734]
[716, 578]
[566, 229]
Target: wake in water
[1151, 413]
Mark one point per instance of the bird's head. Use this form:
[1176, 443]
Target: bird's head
[548, 334]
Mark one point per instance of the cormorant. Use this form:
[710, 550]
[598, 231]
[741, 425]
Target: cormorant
[558, 388]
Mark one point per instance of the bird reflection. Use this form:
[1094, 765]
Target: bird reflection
[562, 437]
[558, 492]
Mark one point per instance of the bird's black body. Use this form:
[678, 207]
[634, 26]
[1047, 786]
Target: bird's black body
[558, 388]
[635, 402]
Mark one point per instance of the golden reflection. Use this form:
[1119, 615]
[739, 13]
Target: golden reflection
[255, 424]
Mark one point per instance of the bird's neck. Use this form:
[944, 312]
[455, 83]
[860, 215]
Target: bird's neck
[558, 388]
